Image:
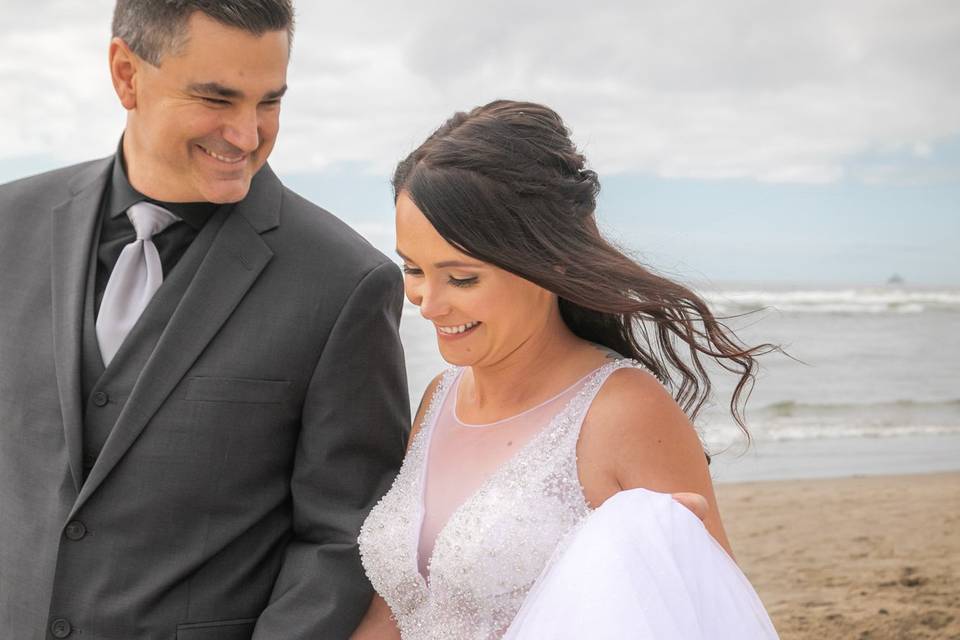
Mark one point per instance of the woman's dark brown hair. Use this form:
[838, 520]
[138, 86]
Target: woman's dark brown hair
[505, 184]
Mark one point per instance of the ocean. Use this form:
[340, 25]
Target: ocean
[871, 384]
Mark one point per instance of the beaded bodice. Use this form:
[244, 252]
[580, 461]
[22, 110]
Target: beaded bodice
[494, 546]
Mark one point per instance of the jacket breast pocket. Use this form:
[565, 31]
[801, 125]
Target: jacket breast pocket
[239, 629]
[237, 390]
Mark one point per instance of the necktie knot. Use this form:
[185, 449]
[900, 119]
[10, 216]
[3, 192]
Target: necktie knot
[148, 219]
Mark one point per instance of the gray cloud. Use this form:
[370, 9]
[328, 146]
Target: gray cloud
[734, 89]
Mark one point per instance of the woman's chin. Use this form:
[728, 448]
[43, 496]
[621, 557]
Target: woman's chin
[456, 357]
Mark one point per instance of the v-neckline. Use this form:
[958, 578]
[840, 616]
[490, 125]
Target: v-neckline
[429, 423]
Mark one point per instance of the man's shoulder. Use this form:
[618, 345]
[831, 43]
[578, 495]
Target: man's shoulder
[318, 226]
[54, 183]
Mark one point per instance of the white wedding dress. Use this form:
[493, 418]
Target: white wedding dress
[522, 546]
[643, 567]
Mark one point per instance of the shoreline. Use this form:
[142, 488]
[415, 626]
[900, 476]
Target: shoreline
[770, 461]
[872, 557]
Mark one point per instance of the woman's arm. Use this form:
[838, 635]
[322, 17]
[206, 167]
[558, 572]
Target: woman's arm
[377, 623]
[636, 436]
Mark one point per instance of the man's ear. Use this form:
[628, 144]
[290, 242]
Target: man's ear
[124, 67]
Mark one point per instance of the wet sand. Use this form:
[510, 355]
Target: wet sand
[868, 558]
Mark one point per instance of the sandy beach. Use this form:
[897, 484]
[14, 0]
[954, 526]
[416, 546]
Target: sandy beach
[869, 558]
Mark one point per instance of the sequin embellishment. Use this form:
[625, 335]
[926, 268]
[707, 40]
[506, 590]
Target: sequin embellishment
[495, 545]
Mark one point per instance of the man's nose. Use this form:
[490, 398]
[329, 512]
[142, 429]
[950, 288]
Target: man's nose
[242, 130]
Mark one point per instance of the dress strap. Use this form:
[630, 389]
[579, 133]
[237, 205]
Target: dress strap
[580, 405]
[437, 400]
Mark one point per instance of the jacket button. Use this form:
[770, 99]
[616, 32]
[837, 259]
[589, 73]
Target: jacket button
[60, 628]
[100, 398]
[76, 530]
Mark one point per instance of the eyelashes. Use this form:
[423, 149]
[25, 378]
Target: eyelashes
[462, 282]
[456, 282]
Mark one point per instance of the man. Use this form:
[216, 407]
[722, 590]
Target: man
[202, 389]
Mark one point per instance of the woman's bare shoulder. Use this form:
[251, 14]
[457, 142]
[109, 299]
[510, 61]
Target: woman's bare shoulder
[636, 436]
[641, 431]
[635, 394]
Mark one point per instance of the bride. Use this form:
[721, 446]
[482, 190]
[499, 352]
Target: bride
[531, 502]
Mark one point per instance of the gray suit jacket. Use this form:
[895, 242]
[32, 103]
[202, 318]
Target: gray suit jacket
[269, 418]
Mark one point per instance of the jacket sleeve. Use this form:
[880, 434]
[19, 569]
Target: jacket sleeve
[356, 418]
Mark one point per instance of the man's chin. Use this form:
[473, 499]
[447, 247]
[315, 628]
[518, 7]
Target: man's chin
[226, 191]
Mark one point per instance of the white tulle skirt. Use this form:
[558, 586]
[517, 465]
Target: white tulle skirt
[642, 567]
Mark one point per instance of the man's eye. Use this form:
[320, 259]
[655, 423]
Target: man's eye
[215, 101]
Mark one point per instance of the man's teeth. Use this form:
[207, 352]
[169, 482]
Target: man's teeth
[458, 328]
[220, 157]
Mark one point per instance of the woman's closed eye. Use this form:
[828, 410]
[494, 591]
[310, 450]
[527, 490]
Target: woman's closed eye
[463, 282]
[456, 282]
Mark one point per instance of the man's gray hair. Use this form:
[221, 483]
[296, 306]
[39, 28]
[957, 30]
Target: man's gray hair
[154, 28]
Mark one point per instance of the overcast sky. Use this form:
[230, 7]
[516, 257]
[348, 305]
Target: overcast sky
[735, 140]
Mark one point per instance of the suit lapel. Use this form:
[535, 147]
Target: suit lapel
[74, 234]
[233, 263]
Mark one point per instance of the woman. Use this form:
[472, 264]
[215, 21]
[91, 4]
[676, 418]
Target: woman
[556, 405]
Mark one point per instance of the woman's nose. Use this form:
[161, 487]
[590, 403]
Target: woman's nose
[431, 302]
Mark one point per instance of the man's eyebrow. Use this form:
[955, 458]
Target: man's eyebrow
[219, 90]
[214, 89]
[277, 94]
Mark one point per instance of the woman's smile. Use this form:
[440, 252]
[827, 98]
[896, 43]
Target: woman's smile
[456, 331]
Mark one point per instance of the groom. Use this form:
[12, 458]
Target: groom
[202, 389]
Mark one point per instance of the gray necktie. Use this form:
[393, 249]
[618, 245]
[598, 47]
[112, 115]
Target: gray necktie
[135, 278]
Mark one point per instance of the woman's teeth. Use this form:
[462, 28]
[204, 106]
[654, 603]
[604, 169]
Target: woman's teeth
[460, 328]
